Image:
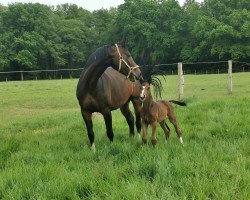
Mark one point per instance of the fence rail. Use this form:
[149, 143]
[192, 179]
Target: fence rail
[45, 70]
[176, 68]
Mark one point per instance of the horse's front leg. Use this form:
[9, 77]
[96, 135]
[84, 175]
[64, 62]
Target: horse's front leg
[108, 122]
[137, 106]
[153, 137]
[129, 117]
[87, 116]
[144, 131]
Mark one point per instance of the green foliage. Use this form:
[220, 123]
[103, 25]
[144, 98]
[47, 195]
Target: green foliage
[36, 36]
[45, 154]
[219, 31]
[152, 28]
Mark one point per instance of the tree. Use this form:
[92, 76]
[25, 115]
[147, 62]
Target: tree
[220, 30]
[152, 28]
[31, 28]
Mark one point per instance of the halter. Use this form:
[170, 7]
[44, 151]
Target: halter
[122, 60]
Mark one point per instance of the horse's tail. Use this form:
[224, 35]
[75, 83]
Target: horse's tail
[180, 103]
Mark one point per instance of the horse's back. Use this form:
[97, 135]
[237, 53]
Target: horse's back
[112, 89]
[164, 108]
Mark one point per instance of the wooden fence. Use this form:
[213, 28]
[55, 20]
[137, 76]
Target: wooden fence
[181, 80]
[58, 73]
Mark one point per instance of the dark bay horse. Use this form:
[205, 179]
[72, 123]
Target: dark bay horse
[154, 112]
[103, 92]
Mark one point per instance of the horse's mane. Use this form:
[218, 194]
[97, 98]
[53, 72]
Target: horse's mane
[151, 75]
[98, 55]
[102, 52]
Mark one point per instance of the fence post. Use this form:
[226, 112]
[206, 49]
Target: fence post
[180, 82]
[230, 77]
[21, 76]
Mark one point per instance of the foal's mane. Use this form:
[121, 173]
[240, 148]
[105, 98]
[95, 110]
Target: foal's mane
[151, 75]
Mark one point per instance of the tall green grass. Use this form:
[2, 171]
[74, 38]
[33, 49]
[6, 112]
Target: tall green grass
[44, 149]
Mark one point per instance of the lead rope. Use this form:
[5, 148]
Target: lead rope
[120, 57]
[120, 62]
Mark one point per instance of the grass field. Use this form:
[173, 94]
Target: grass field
[44, 149]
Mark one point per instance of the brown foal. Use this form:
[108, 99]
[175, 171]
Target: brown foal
[157, 112]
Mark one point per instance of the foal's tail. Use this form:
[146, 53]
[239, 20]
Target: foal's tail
[180, 103]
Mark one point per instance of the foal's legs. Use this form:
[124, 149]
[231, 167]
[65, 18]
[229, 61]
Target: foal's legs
[88, 121]
[129, 117]
[108, 122]
[153, 137]
[144, 131]
[165, 128]
[172, 119]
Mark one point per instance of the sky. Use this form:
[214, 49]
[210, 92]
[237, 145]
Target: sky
[86, 4]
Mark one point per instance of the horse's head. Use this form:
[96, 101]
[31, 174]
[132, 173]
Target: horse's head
[145, 91]
[123, 61]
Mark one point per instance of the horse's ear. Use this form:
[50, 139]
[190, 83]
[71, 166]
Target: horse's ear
[124, 42]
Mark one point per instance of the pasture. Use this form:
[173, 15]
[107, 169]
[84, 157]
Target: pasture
[44, 149]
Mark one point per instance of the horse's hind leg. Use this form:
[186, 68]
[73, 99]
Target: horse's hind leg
[129, 117]
[137, 107]
[108, 122]
[172, 119]
[88, 121]
[165, 128]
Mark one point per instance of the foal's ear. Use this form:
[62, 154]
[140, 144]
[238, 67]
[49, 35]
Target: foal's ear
[149, 80]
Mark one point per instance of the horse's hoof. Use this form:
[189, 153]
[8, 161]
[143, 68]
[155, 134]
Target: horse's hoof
[93, 149]
[181, 140]
[154, 142]
[144, 141]
[139, 136]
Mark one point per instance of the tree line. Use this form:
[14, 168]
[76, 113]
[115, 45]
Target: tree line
[36, 36]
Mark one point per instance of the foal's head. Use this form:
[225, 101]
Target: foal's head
[123, 61]
[145, 91]
[151, 77]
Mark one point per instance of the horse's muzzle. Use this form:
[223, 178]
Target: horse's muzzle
[142, 98]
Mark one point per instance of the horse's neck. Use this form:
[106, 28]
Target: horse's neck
[135, 89]
[94, 72]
